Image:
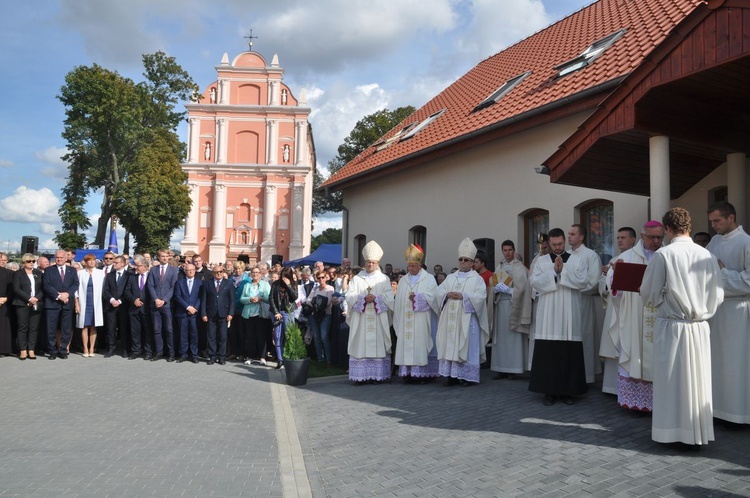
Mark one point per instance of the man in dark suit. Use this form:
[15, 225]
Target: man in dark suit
[188, 293]
[161, 282]
[139, 310]
[60, 283]
[116, 307]
[217, 309]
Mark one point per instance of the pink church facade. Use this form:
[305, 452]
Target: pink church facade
[250, 165]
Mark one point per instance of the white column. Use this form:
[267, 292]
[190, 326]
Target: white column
[268, 246]
[221, 139]
[223, 91]
[737, 184]
[658, 149]
[194, 140]
[297, 213]
[217, 247]
[192, 220]
[300, 143]
[273, 90]
[273, 141]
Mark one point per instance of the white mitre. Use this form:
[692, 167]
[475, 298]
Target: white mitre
[467, 249]
[372, 251]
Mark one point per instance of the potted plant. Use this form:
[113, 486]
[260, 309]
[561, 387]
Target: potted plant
[296, 362]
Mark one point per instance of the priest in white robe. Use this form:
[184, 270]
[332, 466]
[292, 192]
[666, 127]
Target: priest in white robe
[512, 315]
[462, 329]
[608, 350]
[415, 320]
[591, 326]
[369, 300]
[557, 368]
[730, 336]
[683, 283]
[632, 328]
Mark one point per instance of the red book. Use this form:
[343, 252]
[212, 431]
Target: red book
[628, 276]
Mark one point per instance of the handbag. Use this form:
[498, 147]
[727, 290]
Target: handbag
[319, 304]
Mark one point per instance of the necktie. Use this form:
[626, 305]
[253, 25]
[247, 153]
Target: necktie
[140, 285]
[218, 282]
[117, 279]
[62, 273]
[162, 272]
[190, 285]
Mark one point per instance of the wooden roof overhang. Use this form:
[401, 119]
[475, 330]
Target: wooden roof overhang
[693, 88]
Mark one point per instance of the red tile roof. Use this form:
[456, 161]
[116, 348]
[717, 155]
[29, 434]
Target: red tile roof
[647, 23]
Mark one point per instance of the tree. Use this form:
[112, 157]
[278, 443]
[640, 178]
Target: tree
[73, 217]
[328, 236]
[154, 200]
[365, 133]
[109, 118]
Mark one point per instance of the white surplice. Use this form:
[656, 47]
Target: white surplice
[589, 302]
[415, 322]
[730, 335]
[683, 283]
[369, 324]
[558, 313]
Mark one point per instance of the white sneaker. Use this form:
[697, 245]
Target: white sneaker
[248, 362]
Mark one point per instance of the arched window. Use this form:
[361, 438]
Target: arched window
[418, 236]
[359, 244]
[598, 218]
[535, 222]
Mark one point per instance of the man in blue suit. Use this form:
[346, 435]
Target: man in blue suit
[217, 309]
[116, 306]
[161, 283]
[60, 283]
[188, 295]
[136, 294]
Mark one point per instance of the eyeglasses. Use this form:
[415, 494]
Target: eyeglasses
[218, 272]
[465, 260]
[322, 278]
[30, 261]
[108, 259]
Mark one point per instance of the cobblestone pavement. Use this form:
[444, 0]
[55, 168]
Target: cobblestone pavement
[497, 439]
[113, 427]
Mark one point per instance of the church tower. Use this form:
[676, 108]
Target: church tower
[250, 165]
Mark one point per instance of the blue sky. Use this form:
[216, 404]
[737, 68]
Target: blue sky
[352, 56]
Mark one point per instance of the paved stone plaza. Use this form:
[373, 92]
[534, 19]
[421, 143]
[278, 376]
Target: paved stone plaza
[112, 427]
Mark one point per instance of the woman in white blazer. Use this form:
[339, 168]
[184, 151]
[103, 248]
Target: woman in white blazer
[89, 306]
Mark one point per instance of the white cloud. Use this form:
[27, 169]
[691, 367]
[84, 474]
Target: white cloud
[27, 205]
[4, 163]
[326, 221]
[48, 228]
[58, 168]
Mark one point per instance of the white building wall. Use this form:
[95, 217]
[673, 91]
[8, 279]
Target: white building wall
[476, 193]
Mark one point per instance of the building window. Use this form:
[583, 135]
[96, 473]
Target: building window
[418, 237]
[501, 92]
[598, 218]
[205, 217]
[359, 244]
[422, 125]
[589, 55]
[535, 222]
[230, 219]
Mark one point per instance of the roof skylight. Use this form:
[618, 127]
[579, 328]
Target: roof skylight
[589, 55]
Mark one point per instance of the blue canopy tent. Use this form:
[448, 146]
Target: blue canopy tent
[80, 253]
[329, 254]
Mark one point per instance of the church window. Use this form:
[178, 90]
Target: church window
[536, 222]
[359, 243]
[598, 218]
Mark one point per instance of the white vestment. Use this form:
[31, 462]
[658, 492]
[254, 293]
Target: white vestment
[589, 302]
[607, 349]
[558, 314]
[510, 327]
[462, 329]
[730, 332]
[683, 283]
[414, 322]
[369, 325]
[83, 282]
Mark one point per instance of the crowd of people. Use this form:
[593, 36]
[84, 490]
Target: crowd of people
[664, 325]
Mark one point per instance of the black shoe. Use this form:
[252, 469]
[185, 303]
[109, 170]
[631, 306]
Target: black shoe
[512, 376]
[499, 376]
[133, 357]
[170, 359]
[148, 357]
[279, 365]
[180, 359]
[109, 354]
[194, 359]
[568, 400]
[549, 400]
[62, 356]
[51, 356]
[222, 362]
[465, 383]
[211, 361]
[451, 381]
[155, 357]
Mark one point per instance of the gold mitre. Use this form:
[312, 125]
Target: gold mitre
[372, 251]
[467, 249]
[414, 254]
